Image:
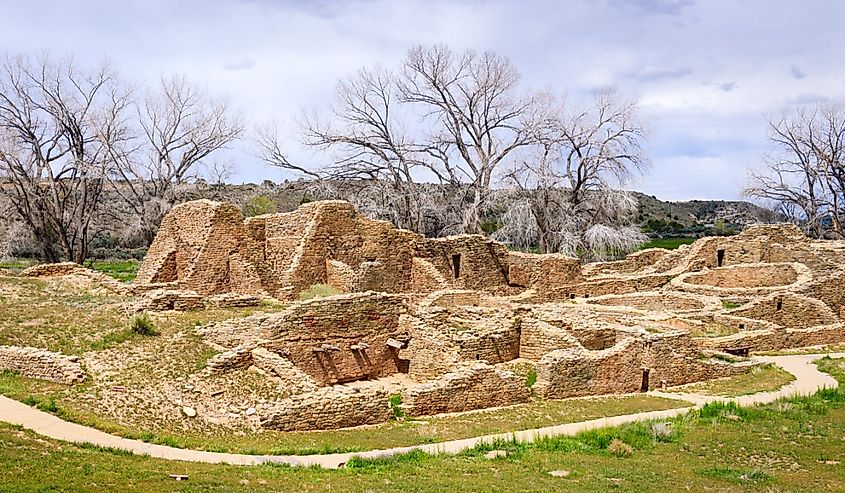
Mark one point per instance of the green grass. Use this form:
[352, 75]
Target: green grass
[396, 433]
[667, 243]
[729, 305]
[122, 270]
[318, 291]
[793, 445]
[764, 378]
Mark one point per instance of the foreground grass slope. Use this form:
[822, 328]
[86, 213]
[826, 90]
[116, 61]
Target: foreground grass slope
[794, 445]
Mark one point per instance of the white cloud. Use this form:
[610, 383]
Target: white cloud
[706, 72]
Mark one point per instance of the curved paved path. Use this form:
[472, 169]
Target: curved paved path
[808, 379]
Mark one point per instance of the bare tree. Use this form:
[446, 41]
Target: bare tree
[803, 174]
[179, 129]
[56, 125]
[477, 113]
[370, 144]
[565, 195]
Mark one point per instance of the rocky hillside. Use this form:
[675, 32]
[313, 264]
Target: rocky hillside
[695, 215]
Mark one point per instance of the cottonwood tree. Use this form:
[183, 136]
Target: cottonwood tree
[178, 129]
[803, 174]
[477, 115]
[56, 125]
[565, 193]
[370, 145]
[447, 118]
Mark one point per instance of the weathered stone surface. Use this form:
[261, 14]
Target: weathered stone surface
[468, 388]
[39, 363]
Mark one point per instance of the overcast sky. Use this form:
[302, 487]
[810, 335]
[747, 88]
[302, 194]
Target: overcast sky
[707, 72]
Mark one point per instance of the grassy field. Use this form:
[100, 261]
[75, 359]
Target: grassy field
[763, 378]
[122, 270]
[793, 445]
[55, 398]
[72, 319]
[667, 243]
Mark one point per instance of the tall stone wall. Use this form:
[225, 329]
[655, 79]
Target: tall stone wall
[468, 261]
[537, 271]
[208, 247]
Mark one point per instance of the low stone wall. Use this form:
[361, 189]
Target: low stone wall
[472, 387]
[39, 363]
[654, 302]
[744, 279]
[776, 339]
[601, 287]
[578, 372]
[170, 299]
[538, 338]
[330, 408]
[62, 269]
[232, 300]
[233, 359]
[50, 270]
[788, 310]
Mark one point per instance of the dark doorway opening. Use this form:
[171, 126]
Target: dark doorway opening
[456, 265]
[779, 306]
[720, 257]
[644, 385]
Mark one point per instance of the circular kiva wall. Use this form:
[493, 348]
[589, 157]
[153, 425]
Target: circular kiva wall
[651, 301]
[744, 278]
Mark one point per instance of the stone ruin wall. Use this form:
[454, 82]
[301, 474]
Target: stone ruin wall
[330, 408]
[333, 340]
[777, 339]
[466, 388]
[40, 363]
[578, 372]
[787, 310]
[210, 248]
[670, 359]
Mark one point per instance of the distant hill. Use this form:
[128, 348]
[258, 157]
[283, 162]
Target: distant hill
[696, 216]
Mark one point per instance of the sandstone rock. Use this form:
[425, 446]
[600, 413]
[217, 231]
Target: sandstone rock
[559, 473]
[189, 411]
[496, 453]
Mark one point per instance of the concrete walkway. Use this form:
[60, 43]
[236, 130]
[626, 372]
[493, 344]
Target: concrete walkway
[807, 381]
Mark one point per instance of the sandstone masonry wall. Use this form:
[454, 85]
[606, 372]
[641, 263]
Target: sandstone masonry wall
[39, 363]
[330, 408]
[471, 387]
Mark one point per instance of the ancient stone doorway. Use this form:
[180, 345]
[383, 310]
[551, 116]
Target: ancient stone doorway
[456, 265]
[720, 257]
[644, 385]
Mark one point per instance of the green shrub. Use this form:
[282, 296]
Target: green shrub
[143, 325]
[318, 291]
[396, 406]
[531, 378]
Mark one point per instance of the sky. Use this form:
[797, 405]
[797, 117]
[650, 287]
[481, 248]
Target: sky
[707, 73]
